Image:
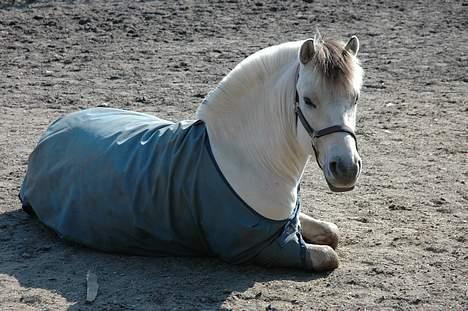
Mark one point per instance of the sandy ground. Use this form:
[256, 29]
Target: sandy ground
[404, 228]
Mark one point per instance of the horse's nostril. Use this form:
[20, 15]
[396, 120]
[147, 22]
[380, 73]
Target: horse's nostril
[334, 168]
[341, 169]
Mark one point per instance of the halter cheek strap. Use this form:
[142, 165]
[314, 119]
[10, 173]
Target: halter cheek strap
[320, 133]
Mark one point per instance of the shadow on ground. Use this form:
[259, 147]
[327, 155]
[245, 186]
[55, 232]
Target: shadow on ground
[37, 258]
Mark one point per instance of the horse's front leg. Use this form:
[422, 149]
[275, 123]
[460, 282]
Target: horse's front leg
[318, 232]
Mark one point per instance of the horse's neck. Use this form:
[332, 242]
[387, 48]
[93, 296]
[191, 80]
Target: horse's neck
[252, 135]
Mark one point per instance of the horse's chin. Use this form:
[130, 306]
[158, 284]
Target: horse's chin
[339, 189]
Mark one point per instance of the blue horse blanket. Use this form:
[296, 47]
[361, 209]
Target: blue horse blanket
[127, 182]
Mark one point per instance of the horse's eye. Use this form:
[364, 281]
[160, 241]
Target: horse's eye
[308, 102]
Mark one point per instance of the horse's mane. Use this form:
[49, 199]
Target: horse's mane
[339, 70]
[256, 68]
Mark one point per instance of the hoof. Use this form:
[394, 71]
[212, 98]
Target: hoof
[321, 258]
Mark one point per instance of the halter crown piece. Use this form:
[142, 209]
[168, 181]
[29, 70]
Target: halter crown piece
[320, 133]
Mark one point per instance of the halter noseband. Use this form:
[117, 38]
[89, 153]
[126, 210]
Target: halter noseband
[320, 133]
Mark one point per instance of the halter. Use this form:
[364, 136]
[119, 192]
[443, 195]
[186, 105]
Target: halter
[320, 133]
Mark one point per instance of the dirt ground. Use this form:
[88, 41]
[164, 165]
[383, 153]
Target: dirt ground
[403, 230]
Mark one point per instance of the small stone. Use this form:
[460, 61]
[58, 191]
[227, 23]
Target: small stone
[92, 287]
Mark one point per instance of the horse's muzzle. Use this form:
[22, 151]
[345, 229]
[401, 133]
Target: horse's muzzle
[344, 174]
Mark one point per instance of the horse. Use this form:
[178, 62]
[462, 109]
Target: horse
[226, 184]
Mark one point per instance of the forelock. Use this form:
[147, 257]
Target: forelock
[336, 65]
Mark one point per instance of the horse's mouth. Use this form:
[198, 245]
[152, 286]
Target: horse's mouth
[339, 189]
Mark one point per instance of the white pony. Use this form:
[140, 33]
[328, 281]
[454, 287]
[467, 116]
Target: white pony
[225, 185]
[252, 120]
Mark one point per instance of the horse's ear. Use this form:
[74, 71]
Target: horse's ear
[352, 46]
[307, 50]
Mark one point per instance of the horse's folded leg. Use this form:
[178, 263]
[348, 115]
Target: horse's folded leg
[321, 257]
[319, 232]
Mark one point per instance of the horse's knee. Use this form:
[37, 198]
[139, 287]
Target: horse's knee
[321, 257]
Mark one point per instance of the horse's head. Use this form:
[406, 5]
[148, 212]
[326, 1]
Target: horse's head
[328, 85]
